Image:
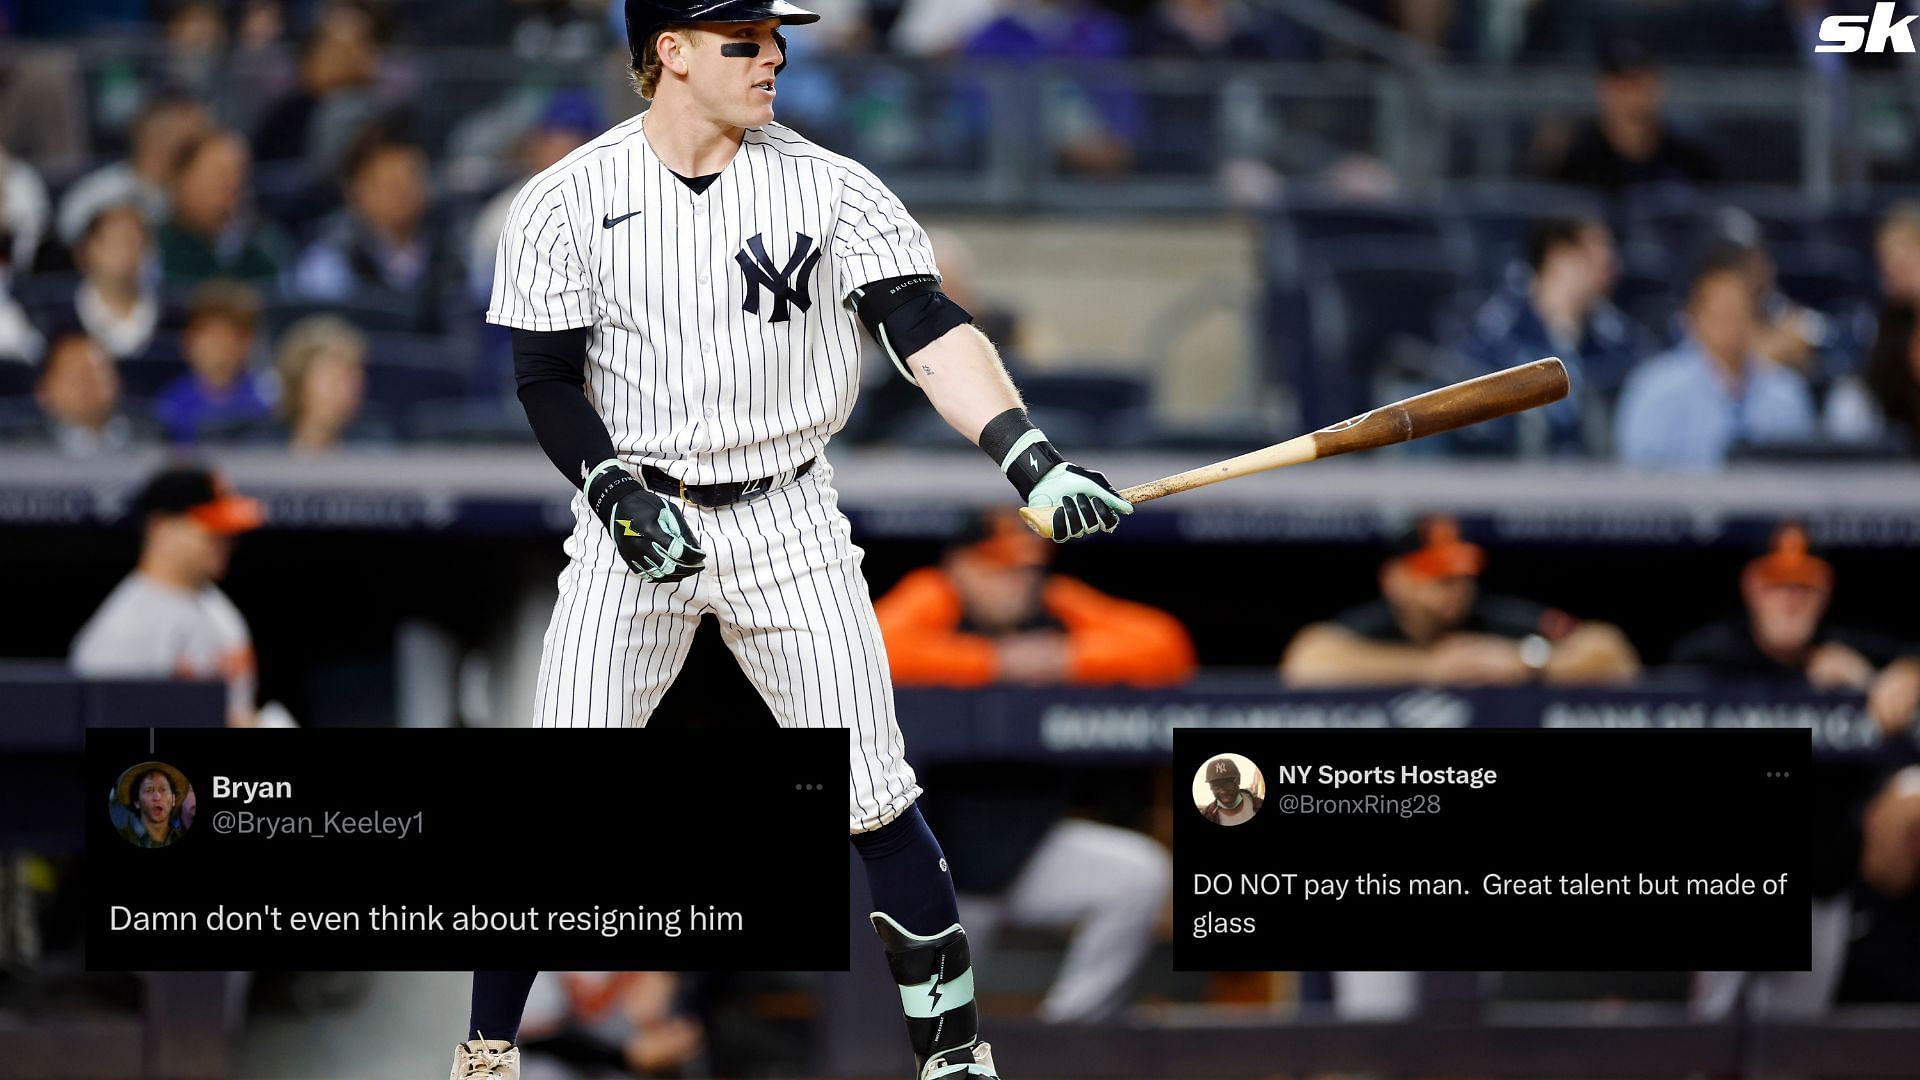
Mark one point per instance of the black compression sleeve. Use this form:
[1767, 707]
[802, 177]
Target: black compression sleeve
[551, 370]
[907, 314]
[550, 355]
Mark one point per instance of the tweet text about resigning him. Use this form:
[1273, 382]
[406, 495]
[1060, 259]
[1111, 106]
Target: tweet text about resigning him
[1473, 849]
[367, 850]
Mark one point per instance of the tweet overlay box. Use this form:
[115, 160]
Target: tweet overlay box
[1477, 849]
[620, 849]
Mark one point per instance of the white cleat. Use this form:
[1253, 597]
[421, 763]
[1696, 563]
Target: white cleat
[974, 1061]
[488, 1059]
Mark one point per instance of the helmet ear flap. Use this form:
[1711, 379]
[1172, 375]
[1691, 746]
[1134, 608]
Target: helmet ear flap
[780, 39]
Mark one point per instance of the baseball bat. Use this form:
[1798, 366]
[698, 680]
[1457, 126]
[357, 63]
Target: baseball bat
[1472, 401]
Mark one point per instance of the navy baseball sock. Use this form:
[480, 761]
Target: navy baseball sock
[499, 997]
[918, 921]
[907, 874]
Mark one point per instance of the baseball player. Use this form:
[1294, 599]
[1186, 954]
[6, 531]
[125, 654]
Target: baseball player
[168, 619]
[685, 294]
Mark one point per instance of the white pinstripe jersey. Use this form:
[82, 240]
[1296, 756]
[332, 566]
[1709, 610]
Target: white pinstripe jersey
[721, 349]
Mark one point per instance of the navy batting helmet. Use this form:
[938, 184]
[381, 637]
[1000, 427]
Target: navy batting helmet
[646, 16]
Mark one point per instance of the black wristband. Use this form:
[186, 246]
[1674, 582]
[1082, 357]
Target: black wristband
[1001, 432]
[1020, 449]
[609, 486]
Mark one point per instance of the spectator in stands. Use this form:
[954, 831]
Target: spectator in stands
[316, 123]
[167, 619]
[1784, 634]
[1883, 959]
[570, 120]
[1691, 407]
[43, 99]
[23, 214]
[1629, 145]
[382, 247]
[1091, 124]
[195, 35]
[938, 28]
[115, 301]
[20, 341]
[322, 364]
[79, 396]
[1893, 369]
[218, 397]
[1432, 625]
[1217, 30]
[1562, 309]
[990, 614]
[208, 234]
[165, 127]
[1789, 334]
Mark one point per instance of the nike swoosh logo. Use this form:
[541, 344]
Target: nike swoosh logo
[610, 221]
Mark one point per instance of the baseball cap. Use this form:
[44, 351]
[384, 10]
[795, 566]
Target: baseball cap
[999, 538]
[199, 494]
[1433, 549]
[1790, 561]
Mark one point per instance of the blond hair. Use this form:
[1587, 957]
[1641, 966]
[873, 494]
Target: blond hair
[646, 77]
[305, 342]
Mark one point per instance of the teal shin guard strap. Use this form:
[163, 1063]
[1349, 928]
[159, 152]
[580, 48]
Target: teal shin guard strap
[935, 976]
[930, 999]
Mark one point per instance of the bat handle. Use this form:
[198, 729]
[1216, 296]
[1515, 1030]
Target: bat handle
[1040, 521]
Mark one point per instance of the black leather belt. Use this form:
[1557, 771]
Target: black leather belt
[717, 495]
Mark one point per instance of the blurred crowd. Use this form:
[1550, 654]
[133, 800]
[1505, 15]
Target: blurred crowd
[1468, 29]
[275, 223]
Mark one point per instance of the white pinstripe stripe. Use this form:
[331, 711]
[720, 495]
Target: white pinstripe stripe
[783, 573]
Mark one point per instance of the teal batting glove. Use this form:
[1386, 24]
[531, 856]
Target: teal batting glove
[1082, 501]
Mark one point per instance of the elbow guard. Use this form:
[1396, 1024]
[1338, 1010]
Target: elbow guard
[907, 314]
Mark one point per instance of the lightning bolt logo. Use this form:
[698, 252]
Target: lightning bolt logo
[626, 525]
[1033, 462]
[933, 989]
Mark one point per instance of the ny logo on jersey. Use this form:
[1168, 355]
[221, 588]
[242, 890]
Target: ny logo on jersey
[788, 285]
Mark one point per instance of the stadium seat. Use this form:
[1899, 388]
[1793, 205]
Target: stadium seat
[1287, 332]
[144, 377]
[44, 294]
[1651, 288]
[1374, 301]
[400, 384]
[1305, 228]
[1140, 429]
[372, 313]
[288, 194]
[1095, 395]
[16, 379]
[1825, 277]
[469, 421]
